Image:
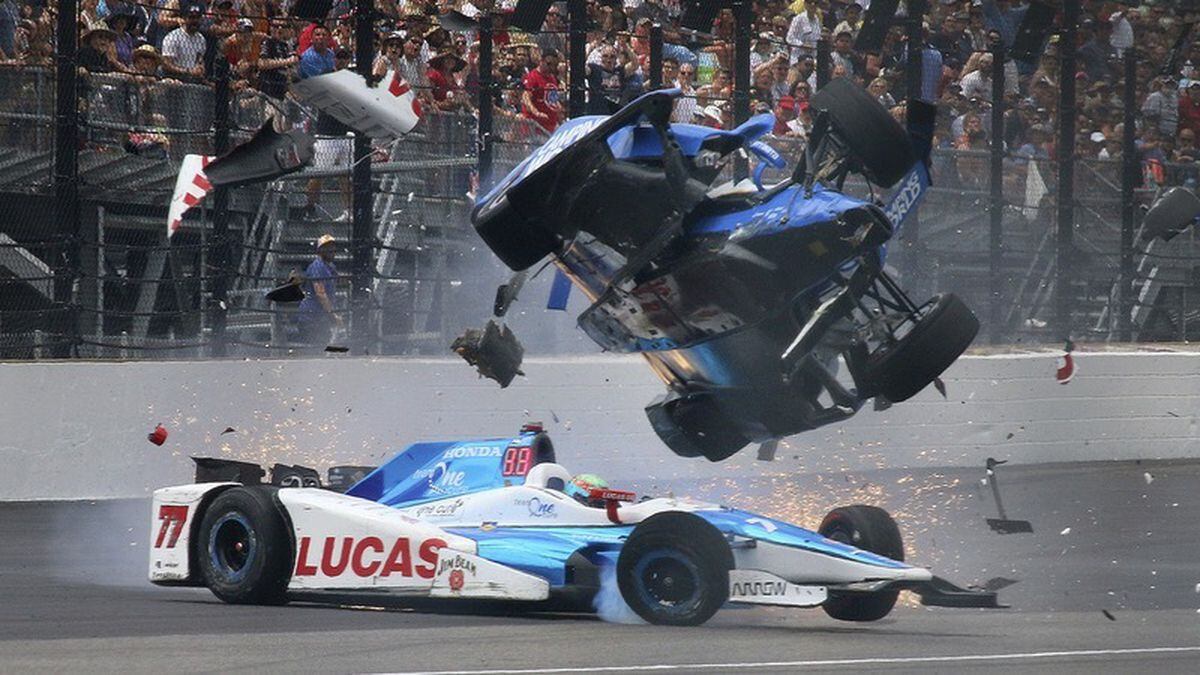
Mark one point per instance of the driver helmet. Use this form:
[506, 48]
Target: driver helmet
[581, 487]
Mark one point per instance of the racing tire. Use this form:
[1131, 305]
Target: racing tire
[872, 529]
[935, 341]
[1171, 214]
[875, 138]
[243, 548]
[518, 242]
[674, 569]
[695, 426]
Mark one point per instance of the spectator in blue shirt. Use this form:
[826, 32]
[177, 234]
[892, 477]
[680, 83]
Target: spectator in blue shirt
[316, 317]
[318, 58]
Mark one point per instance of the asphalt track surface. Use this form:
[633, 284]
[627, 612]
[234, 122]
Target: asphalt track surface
[1106, 582]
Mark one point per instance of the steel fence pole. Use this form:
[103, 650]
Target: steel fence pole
[1130, 175]
[656, 56]
[577, 22]
[743, 16]
[996, 208]
[824, 61]
[1063, 298]
[914, 90]
[220, 212]
[66, 170]
[486, 104]
[361, 237]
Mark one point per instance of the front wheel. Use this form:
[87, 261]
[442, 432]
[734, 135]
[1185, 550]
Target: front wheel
[243, 547]
[869, 528]
[674, 570]
[940, 333]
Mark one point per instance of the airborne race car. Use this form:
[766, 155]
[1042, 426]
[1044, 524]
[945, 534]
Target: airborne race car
[489, 520]
[741, 297]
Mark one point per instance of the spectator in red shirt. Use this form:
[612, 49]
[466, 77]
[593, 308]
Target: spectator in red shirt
[1189, 108]
[447, 93]
[540, 101]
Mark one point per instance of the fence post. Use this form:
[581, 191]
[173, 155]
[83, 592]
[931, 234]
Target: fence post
[66, 169]
[656, 56]
[1130, 176]
[220, 212]
[1066, 170]
[487, 104]
[824, 61]
[743, 16]
[577, 22]
[996, 209]
[914, 89]
[361, 236]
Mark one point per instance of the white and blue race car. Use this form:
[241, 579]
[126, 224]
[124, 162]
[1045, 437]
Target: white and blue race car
[491, 520]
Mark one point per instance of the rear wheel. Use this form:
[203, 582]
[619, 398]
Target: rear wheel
[674, 570]
[871, 529]
[243, 548]
[873, 136]
[943, 330]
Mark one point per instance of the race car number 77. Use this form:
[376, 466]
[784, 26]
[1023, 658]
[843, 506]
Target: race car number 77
[173, 516]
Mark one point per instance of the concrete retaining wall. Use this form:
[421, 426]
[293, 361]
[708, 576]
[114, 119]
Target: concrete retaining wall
[78, 429]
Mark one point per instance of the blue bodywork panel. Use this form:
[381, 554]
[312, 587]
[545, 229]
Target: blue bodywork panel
[544, 551]
[428, 471]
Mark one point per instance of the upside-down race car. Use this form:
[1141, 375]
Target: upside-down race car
[741, 297]
[490, 520]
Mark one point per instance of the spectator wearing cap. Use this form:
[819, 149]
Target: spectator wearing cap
[952, 41]
[851, 21]
[541, 98]
[805, 30]
[243, 50]
[606, 82]
[275, 58]
[183, 48]
[317, 315]
[1122, 31]
[96, 51]
[1189, 109]
[785, 113]
[1161, 107]
[444, 87]
[224, 20]
[843, 54]
[120, 24]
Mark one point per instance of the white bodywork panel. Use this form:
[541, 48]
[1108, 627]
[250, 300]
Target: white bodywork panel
[171, 521]
[519, 505]
[756, 587]
[801, 566]
[350, 543]
[462, 575]
[379, 112]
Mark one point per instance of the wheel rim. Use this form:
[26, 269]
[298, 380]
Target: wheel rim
[232, 545]
[668, 581]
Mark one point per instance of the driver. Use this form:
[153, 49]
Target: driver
[581, 487]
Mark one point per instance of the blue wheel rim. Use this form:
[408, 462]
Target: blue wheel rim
[232, 546]
[668, 582]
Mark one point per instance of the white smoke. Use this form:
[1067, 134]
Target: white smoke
[609, 603]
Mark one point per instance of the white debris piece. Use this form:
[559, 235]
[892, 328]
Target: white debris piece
[1066, 530]
[1149, 478]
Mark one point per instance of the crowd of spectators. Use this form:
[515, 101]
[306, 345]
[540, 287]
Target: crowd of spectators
[266, 48]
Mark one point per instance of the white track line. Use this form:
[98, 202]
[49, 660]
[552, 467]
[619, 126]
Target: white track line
[879, 661]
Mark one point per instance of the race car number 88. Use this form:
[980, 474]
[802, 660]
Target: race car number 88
[517, 461]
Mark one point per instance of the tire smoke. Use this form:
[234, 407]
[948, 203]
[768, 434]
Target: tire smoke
[609, 603]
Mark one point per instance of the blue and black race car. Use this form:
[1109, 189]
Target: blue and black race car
[743, 296]
[499, 520]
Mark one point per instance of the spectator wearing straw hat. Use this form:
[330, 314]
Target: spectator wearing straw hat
[95, 54]
[447, 93]
[316, 317]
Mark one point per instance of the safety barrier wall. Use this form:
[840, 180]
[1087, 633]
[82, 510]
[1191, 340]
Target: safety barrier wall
[75, 430]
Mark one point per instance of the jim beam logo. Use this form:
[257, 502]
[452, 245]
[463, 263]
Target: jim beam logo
[459, 567]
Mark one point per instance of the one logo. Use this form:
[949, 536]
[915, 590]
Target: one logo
[538, 509]
[457, 579]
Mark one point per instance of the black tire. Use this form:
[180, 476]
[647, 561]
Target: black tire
[517, 241]
[939, 336]
[1171, 214]
[674, 569]
[871, 529]
[875, 138]
[243, 548]
[695, 426]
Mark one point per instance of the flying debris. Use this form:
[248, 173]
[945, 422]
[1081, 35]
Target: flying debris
[1003, 525]
[229, 430]
[158, 436]
[1066, 366]
[494, 351]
